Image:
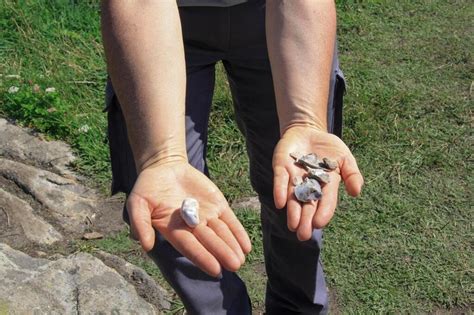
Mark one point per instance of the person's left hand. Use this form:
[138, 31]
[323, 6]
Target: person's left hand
[303, 218]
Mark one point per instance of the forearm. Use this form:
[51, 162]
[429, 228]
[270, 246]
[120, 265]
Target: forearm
[145, 59]
[301, 37]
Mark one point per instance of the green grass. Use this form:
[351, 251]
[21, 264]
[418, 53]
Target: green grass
[405, 245]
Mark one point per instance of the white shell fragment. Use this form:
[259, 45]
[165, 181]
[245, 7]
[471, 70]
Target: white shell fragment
[190, 212]
[309, 190]
[319, 175]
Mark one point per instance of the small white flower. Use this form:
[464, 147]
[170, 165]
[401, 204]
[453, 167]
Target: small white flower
[84, 128]
[13, 89]
[50, 90]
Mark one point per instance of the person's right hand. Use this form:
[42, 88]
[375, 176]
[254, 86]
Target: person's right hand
[155, 201]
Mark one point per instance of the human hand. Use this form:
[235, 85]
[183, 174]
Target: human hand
[155, 201]
[303, 218]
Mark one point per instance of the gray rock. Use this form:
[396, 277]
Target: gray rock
[35, 179]
[309, 160]
[71, 204]
[329, 164]
[35, 228]
[18, 144]
[77, 284]
[309, 190]
[296, 155]
[319, 174]
[313, 161]
[146, 287]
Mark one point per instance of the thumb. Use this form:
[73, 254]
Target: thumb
[140, 221]
[351, 175]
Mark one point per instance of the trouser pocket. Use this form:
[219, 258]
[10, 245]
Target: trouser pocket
[123, 165]
[337, 105]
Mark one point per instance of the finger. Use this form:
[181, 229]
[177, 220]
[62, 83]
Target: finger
[222, 230]
[351, 176]
[140, 221]
[187, 244]
[293, 210]
[280, 186]
[327, 204]
[217, 247]
[229, 218]
[305, 228]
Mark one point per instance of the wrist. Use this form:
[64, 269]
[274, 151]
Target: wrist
[161, 157]
[314, 124]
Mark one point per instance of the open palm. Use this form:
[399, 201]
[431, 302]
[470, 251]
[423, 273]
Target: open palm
[302, 218]
[218, 240]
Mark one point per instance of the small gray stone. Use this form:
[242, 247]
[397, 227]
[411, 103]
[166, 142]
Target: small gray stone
[190, 212]
[296, 155]
[309, 190]
[319, 174]
[309, 160]
[329, 164]
[312, 160]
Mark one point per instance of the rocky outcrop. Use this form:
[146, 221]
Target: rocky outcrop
[35, 228]
[43, 206]
[77, 284]
[41, 199]
[68, 202]
[18, 144]
[146, 287]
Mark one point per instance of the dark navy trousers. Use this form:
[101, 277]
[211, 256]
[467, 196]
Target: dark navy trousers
[236, 36]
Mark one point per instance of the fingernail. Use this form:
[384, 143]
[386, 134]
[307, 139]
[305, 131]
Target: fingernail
[219, 276]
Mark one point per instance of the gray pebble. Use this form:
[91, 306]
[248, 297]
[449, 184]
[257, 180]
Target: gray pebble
[296, 155]
[319, 175]
[309, 190]
[310, 160]
[329, 164]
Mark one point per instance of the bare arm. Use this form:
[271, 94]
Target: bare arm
[301, 36]
[145, 59]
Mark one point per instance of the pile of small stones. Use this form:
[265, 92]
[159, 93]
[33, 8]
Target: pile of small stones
[310, 188]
